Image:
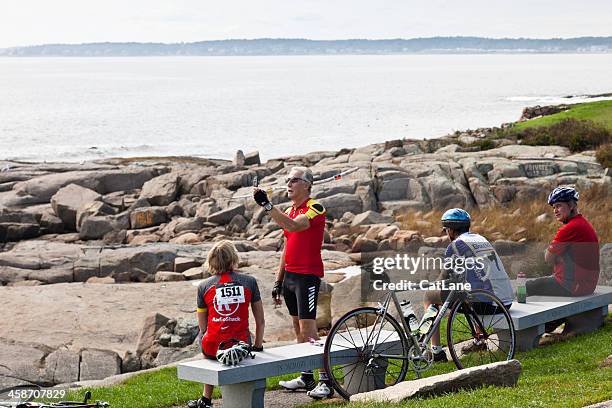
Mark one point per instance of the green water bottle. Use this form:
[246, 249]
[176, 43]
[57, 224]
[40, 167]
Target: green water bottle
[521, 289]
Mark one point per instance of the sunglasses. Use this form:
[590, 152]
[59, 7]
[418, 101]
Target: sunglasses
[291, 180]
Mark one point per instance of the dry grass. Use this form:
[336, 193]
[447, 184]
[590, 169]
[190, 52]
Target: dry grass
[518, 220]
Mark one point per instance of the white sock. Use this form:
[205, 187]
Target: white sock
[437, 349]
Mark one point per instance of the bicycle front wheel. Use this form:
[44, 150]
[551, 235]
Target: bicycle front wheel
[480, 330]
[365, 351]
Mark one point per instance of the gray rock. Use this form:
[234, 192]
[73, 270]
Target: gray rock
[371, 217]
[10, 274]
[95, 227]
[166, 276]
[12, 231]
[161, 190]
[181, 264]
[50, 223]
[62, 366]
[252, 158]
[53, 275]
[86, 267]
[505, 247]
[605, 265]
[136, 263]
[174, 209]
[22, 361]
[338, 204]
[150, 327]
[238, 158]
[363, 244]
[505, 374]
[189, 224]
[147, 217]
[96, 208]
[67, 201]
[99, 364]
[194, 273]
[238, 224]
[164, 339]
[130, 362]
[169, 355]
[225, 216]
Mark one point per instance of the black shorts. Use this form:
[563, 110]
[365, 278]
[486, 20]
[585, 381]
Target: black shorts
[301, 293]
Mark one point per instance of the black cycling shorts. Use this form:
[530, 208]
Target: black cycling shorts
[301, 293]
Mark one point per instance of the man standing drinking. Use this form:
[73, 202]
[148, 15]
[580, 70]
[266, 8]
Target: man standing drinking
[301, 267]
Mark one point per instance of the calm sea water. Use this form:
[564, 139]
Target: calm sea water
[70, 109]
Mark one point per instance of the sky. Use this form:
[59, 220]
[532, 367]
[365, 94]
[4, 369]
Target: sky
[31, 22]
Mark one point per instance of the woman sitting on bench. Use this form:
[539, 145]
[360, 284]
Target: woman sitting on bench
[223, 308]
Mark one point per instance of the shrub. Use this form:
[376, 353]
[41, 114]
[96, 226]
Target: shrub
[576, 135]
[604, 155]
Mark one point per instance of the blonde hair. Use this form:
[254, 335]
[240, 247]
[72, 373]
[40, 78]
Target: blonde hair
[222, 257]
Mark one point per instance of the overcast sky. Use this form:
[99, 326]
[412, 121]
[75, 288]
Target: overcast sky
[29, 22]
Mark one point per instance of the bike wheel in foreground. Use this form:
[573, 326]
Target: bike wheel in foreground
[365, 351]
[480, 330]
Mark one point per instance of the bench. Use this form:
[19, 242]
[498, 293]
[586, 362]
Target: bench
[244, 385]
[583, 314]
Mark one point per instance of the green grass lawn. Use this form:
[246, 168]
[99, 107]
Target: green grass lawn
[599, 112]
[565, 374]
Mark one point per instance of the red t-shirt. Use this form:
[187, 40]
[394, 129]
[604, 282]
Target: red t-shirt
[577, 249]
[226, 298]
[303, 250]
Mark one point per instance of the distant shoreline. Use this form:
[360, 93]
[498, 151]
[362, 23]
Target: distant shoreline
[296, 46]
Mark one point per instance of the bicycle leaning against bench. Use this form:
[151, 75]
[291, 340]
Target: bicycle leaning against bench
[368, 348]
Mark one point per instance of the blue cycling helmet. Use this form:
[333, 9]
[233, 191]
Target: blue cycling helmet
[563, 194]
[456, 218]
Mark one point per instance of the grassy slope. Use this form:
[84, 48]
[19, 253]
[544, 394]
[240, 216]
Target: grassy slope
[599, 112]
[564, 374]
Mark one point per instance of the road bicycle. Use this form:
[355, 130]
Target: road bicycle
[368, 348]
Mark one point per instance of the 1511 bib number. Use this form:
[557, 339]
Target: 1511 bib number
[230, 294]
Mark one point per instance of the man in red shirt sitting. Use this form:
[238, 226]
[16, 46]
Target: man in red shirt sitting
[301, 268]
[574, 252]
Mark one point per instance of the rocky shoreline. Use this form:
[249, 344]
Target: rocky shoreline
[70, 234]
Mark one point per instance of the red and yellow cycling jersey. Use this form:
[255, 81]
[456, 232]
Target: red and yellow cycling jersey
[226, 299]
[303, 250]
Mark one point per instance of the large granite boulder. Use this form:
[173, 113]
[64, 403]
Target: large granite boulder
[337, 204]
[67, 201]
[225, 216]
[504, 373]
[40, 189]
[98, 364]
[62, 367]
[147, 217]
[161, 190]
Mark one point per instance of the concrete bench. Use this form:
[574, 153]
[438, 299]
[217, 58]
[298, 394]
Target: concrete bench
[244, 385]
[583, 314]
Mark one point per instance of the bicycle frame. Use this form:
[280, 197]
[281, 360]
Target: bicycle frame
[453, 296]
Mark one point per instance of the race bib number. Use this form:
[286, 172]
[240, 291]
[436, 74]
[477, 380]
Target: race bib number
[230, 294]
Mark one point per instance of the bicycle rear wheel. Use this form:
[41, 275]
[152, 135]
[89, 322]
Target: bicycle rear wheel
[480, 330]
[352, 361]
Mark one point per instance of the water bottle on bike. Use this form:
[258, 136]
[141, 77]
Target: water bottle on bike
[428, 319]
[409, 315]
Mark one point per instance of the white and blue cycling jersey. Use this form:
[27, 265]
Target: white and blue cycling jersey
[486, 270]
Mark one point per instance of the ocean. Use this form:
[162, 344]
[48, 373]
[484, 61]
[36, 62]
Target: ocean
[74, 109]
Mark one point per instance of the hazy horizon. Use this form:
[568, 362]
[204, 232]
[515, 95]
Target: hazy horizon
[306, 39]
[35, 22]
